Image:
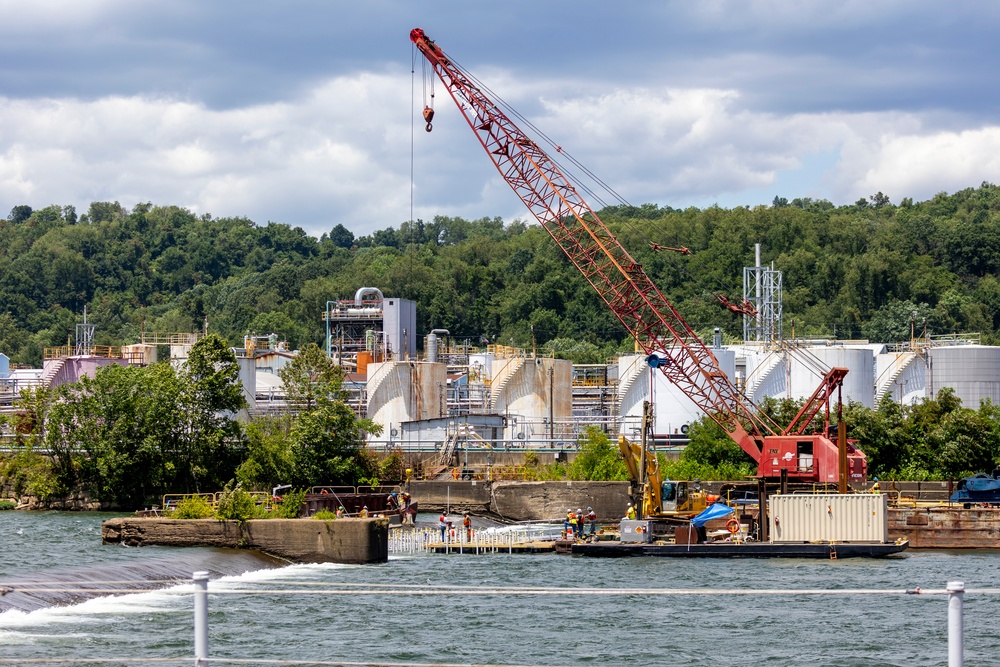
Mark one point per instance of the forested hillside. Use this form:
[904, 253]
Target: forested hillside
[849, 271]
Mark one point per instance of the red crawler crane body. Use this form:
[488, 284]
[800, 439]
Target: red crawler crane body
[623, 285]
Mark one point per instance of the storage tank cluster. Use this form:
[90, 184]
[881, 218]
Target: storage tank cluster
[972, 371]
[796, 373]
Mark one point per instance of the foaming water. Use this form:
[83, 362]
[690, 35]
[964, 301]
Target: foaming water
[484, 628]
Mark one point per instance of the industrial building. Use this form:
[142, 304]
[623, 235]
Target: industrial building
[455, 395]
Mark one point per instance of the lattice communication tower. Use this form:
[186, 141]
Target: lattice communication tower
[762, 288]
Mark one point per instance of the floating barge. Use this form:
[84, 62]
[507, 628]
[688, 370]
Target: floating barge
[827, 526]
[823, 550]
[943, 527]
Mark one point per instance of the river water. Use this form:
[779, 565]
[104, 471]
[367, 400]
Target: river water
[399, 613]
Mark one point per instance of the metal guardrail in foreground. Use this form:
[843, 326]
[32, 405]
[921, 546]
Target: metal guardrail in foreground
[955, 591]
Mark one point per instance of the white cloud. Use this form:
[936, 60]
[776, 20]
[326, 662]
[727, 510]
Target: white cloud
[341, 153]
[921, 165]
[19, 15]
[306, 162]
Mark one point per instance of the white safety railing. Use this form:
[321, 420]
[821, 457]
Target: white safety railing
[955, 591]
[493, 539]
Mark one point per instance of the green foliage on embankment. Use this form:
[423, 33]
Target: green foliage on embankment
[131, 434]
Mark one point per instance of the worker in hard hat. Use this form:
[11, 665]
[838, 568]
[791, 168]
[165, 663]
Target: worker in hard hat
[364, 512]
[467, 524]
[579, 523]
[443, 524]
[875, 487]
[630, 512]
[592, 520]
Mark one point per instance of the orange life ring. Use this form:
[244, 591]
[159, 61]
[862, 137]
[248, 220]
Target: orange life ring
[733, 526]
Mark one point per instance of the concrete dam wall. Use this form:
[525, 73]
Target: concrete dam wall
[295, 540]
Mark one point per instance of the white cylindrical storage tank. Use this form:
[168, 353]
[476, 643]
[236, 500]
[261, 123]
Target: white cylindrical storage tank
[248, 380]
[859, 385]
[673, 411]
[481, 367]
[973, 371]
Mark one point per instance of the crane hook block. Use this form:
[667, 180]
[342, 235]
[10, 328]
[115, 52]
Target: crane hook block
[428, 116]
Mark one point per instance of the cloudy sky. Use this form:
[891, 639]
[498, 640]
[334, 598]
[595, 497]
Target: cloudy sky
[306, 112]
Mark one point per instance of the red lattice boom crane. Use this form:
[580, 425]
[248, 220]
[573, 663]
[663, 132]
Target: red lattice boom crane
[623, 285]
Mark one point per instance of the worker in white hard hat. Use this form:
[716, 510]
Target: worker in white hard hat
[592, 520]
[574, 521]
[630, 512]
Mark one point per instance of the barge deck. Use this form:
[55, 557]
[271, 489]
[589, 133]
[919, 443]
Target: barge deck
[824, 550]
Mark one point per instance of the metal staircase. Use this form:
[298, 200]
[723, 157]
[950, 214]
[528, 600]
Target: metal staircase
[892, 373]
[510, 369]
[50, 374]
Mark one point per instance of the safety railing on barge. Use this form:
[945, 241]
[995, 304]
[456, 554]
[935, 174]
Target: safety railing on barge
[454, 537]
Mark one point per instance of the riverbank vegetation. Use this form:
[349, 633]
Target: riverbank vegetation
[935, 439]
[131, 434]
[870, 269]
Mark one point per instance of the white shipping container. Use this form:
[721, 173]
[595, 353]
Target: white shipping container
[860, 517]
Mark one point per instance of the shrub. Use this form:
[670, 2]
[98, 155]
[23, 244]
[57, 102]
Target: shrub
[31, 473]
[598, 458]
[192, 507]
[289, 507]
[325, 515]
[238, 504]
[7, 505]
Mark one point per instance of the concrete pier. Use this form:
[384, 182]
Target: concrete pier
[295, 540]
[522, 501]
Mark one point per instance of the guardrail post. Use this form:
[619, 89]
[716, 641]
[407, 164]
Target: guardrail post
[956, 639]
[200, 618]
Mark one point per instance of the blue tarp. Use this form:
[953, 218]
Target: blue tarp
[713, 511]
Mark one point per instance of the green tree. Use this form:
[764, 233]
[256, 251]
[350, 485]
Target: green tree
[598, 458]
[211, 397]
[270, 458]
[311, 377]
[328, 445]
[341, 236]
[327, 438]
[710, 445]
[125, 421]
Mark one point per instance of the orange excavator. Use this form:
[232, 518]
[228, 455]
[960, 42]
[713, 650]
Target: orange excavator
[670, 343]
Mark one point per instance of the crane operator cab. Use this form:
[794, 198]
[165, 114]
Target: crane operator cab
[682, 497]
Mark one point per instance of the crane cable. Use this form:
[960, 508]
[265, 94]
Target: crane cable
[557, 149]
[413, 95]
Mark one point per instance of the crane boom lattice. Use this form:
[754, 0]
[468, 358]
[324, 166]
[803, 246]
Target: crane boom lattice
[614, 274]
